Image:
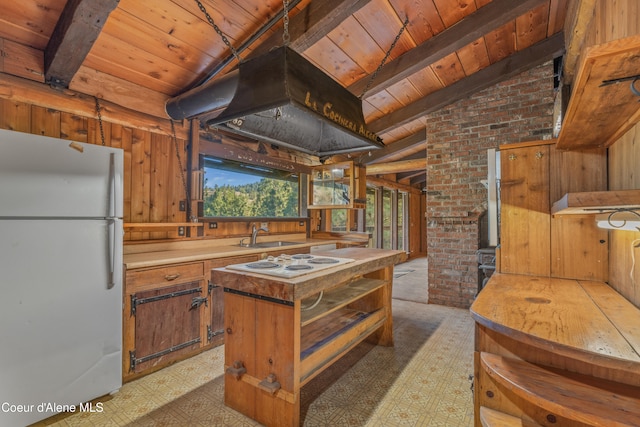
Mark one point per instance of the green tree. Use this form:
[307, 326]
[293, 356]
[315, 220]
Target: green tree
[275, 198]
[226, 201]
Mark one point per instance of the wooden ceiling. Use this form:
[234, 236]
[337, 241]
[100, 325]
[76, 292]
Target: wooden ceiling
[140, 53]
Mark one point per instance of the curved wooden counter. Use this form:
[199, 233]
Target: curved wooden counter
[556, 352]
[273, 346]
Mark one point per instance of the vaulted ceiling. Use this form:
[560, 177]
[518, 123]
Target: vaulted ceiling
[141, 53]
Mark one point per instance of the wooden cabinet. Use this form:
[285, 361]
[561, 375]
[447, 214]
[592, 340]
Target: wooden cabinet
[532, 240]
[279, 336]
[163, 314]
[171, 312]
[524, 210]
[555, 352]
[338, 186]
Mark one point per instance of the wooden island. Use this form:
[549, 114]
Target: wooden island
[273, 346]
[555, 352]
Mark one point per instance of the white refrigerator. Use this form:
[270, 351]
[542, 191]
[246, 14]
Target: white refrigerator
[60, 276]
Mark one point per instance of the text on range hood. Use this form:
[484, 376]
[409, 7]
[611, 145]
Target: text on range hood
[283, 99]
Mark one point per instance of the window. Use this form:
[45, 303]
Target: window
[233, 189]
[386, 218]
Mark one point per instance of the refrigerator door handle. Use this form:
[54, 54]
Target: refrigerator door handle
[111, 247]
[114, 189]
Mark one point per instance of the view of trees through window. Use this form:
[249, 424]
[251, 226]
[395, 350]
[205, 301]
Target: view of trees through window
[235, 190]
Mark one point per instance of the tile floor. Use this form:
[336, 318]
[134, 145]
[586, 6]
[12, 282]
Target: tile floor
[422, 381]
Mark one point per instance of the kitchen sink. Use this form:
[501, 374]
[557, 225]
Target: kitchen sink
[275, 244]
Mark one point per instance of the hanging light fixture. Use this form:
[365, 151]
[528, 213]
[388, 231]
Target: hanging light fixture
[283, 99]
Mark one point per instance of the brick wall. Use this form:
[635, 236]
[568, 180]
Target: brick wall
[458, 137]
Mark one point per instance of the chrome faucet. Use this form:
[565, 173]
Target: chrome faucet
[254, 233]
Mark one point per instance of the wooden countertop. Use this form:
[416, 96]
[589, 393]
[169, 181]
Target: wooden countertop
[366, 261]
[584, 320]
[189, 251]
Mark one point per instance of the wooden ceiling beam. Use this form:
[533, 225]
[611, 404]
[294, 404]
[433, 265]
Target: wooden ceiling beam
[75, 33]
[396, 167]
[483, 21]
[509, 67]
[311, 24]
[383, 154]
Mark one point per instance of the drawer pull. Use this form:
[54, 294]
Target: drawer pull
[237, 370]
[171, 277]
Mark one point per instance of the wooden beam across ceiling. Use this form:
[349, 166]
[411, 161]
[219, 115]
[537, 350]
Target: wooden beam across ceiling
[483, 21]
[509, 67]
[396, 167]
[75, 33]
[383, 154]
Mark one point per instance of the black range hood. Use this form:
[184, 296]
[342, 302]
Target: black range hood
[283, 99]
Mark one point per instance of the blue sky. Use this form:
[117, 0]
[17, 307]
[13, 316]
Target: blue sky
[215, 177]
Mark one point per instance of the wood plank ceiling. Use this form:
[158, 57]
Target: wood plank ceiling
[140, 53]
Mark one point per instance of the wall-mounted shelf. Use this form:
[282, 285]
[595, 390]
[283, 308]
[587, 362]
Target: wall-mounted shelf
[595, 202]
[158, 226]
[598, 115]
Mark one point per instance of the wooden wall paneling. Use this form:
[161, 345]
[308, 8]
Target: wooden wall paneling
[624, 274]
[94, 134]
[159, 183]
[615, 20]
[45, 121]
[177, 191]
[15, 115]
[624, 158]
[525, 210]
[73, 127]
[140, 180]
[579, 249]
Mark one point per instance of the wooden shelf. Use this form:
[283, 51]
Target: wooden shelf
[573, 396]
[594, 202]
[340, 297]
[598, 115]
[156, 226]
[326, 340]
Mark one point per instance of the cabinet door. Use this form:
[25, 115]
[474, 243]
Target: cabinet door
[525, 236]
[167, 324]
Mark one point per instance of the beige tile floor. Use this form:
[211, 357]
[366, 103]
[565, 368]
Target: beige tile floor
[422, 381]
